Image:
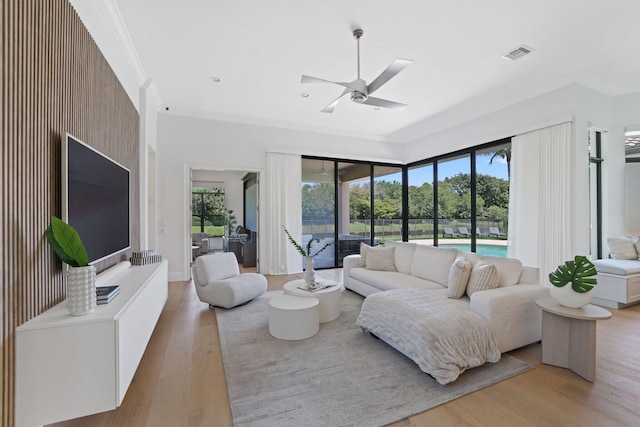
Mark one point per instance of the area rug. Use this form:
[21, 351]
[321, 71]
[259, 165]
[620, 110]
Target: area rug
[342, 376]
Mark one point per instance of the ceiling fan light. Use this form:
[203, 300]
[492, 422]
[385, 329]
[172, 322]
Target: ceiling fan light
[358, 97]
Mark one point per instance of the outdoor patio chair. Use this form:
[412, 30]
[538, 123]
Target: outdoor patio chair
[495, 231]
[480, 233]
[449, 231]
[464, 231]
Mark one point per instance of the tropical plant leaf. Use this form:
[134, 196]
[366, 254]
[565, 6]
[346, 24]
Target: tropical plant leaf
[579, 272]
[326, 245]
[66, 243]
[295, 244]
[57, 248]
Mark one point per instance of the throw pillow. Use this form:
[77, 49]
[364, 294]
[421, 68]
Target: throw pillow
[483, 277]
[380, 258]
[362, 262]
[459, 277]
[622, 248]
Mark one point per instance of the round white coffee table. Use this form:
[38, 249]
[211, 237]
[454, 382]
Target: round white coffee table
[329, 297]
[293, 318]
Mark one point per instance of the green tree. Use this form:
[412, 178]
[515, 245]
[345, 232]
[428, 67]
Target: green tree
[421, 201]
[318, 201]
[207, 204]
[503, 153]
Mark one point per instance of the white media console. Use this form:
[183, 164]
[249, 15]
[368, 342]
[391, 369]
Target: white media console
[67, 366]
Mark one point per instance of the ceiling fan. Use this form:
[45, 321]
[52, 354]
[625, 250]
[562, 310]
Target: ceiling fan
[359, 89]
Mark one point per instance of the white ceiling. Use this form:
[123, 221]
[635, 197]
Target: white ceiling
[259, 49]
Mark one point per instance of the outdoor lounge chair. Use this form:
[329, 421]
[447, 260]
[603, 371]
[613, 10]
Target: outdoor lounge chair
[449, 231]
[480, 233]
[495, 231]
[464, 231]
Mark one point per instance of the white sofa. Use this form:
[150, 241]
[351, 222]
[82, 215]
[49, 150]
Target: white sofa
[515, 319]
[619, 276]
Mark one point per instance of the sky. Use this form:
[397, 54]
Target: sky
[450, 168]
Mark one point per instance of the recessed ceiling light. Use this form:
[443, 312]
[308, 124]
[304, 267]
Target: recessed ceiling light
[215, 79]
[304, 95]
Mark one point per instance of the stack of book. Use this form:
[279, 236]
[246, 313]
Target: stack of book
[145, 257]
[104, 294]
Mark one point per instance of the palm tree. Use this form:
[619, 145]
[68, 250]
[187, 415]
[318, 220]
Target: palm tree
[503, 153]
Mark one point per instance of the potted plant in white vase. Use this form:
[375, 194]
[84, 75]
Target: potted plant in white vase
[81, 277]
[309, 273]
[573, 282]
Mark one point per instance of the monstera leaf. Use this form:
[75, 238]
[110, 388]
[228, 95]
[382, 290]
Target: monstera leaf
[578, 272]
[66, 243]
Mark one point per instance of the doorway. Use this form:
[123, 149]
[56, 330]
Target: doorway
[219, 217]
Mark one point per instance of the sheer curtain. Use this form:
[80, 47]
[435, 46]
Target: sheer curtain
[283, 207]
[540, 198]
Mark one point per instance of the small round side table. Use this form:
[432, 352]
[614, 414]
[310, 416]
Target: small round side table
[293, 318]
[569, 336]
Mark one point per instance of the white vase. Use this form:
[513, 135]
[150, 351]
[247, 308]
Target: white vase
[567, 297]
[81, 290]
[309, 274]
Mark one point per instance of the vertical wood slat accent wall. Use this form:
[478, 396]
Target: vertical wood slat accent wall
[54, 80]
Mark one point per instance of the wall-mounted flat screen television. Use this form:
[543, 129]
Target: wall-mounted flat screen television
[95, 199]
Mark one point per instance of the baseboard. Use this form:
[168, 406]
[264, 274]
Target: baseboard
[179, 277]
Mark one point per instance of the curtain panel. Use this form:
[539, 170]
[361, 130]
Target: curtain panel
[540, 198]
[283, 209]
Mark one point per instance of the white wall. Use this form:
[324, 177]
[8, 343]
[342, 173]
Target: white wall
[148, 146]
[190, 142]
[186, 143]
[627, 115]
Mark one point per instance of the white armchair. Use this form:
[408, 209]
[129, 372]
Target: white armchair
[219, 283]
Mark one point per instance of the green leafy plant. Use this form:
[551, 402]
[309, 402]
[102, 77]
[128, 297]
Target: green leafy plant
[579, 272]
[305, 251]
[66, 243]
[230, 221]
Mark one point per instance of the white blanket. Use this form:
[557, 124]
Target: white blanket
[441, 337]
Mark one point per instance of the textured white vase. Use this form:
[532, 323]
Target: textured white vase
[81, 290]
[567, 297]
[309, 274]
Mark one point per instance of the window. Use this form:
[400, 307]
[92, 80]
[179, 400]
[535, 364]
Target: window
[468, 204]
[207, 211]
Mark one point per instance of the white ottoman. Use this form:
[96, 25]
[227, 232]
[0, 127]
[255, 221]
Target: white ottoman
[294, 318]
[329, 297]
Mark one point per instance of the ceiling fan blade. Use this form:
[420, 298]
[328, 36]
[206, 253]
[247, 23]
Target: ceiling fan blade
[394, 68]
[309, 79]
[377, 102]
[329, 108]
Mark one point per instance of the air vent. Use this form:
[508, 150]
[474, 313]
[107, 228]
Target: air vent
[517, 53]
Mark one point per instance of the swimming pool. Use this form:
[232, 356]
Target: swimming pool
[492, 250]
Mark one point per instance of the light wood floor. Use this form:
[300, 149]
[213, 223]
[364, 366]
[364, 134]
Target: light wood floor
[180, 380]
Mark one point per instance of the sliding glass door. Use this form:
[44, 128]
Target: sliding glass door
[354, 208]
[454, 202]
[387, 203]
[318, 209]
[420, 215]
[493, 166]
